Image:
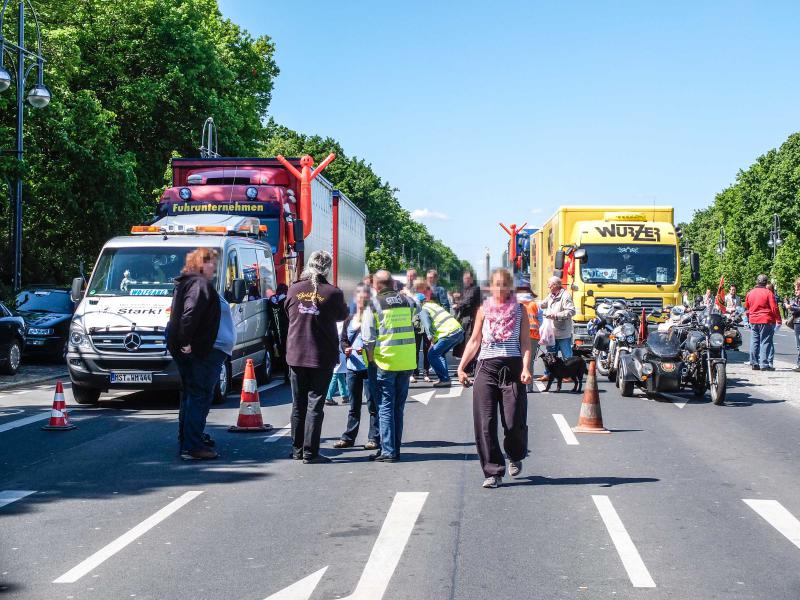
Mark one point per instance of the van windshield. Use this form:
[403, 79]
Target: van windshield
[137, 271]
[632, 263]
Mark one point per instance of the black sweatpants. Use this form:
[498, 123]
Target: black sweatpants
[309, 388]
[497, 385]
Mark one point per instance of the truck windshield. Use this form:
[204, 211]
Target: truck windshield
[634, 263]
[137, 271]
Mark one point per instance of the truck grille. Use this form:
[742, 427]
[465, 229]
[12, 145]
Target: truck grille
[639, 303]
[130, 342]
[123, 364]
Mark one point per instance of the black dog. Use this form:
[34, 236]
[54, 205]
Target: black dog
[559, 368]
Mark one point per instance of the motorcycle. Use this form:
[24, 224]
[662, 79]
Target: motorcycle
[601, 327]
[654, 366]
[704, 355]
[733, 337]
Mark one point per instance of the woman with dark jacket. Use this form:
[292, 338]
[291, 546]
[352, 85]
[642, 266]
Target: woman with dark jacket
[358, 379]
[314, 306]
[192, 339]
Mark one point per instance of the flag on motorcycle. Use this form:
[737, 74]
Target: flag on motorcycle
[721, 294]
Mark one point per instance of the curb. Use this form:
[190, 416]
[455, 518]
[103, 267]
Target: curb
[32, 380]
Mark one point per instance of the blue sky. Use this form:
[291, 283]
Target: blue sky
[484, 112]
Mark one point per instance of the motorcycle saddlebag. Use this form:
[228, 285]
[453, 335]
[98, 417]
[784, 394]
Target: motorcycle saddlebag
[601, 341]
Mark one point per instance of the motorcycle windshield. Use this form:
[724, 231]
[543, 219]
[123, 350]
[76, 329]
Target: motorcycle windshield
[664, 344]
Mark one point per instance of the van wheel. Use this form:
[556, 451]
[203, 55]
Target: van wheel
[264, 371]
[85, 395]
[224, 383]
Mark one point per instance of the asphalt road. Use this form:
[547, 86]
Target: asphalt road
[684, 500]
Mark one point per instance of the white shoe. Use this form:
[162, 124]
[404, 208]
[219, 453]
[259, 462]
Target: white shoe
[413, 379]
[515, 468]
[493, 481]
[427, 379]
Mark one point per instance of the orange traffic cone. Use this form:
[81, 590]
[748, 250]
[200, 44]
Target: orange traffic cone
[250, 405]
[590, 419]
[59, 419]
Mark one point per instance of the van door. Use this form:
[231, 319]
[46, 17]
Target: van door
[233, 271]
[255, 305]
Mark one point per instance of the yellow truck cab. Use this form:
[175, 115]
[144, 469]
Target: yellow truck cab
[611, 252]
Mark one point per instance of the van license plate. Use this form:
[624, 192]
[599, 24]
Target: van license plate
[131, 377]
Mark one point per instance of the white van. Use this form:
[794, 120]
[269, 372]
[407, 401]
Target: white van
[117, 336]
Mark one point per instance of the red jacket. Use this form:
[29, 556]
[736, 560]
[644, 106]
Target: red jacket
[761, 306]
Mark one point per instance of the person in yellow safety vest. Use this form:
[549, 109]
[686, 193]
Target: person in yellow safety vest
[387, 331]
[527, 298]
[444, 332]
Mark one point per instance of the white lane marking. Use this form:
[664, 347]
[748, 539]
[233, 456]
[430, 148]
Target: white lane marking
[302, 590]
[565, 430]
[25, 421]
[774, 513]
[9, 496]
[678, 401]
[541, 385]
[453, 392]
[269, 386]
[20, 392]
[118, 544]
[389, 546]
[424, 397]
[279, 433]
[628, 554]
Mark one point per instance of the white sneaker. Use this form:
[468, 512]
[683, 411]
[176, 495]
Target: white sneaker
[427, 379]
[515, 468]
[413, 379]
[493, 481]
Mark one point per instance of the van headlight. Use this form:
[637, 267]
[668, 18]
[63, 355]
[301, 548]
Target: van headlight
[716, 340]
[78, 338]
[647, 369]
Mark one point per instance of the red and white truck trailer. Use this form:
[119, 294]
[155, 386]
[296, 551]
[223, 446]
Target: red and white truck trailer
[297, 222]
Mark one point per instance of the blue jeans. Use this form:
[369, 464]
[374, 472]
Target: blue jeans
[392, 388]
[199, 376]
[563, 345]
[338, 387]
[361, 389]
[437, 355]
[761, 344]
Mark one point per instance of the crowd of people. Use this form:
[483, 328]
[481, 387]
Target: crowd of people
[392, 334]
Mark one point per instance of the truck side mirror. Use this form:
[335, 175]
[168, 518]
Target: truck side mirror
[559, 261]
[238, 291]
[299, 240]
[580, 254]
[694, 263]
[76, 292]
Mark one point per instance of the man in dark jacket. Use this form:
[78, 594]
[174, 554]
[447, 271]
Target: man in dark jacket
[762, 313]
[467, 310]
[192, 330]
[312, 350]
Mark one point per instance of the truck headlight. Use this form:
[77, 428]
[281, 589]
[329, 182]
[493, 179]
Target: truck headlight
[716, 340]
[77, 337]
[647, 369]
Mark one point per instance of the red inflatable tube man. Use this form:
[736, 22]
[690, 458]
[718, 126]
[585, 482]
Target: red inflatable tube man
[305, 176]
[513, 230]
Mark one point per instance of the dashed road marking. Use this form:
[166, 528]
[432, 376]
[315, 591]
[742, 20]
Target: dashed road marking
[565, 430]
[541, 385]
[454, 392]
[678, 401]
[774, 513]
[9, 496]
[26, 421]
[118, 544]
[628, 554]
[279, 433]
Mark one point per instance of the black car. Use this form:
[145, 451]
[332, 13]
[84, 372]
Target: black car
[47, 312]
[12, 340]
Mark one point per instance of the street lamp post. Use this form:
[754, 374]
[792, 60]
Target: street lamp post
[23, 62]
[775, 240]
[722, 244]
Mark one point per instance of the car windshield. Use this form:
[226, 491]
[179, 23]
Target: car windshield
[137, 271]
[634, 263]
[51, 301]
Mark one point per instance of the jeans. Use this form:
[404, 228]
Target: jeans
[437, 355]
[761, 344]
[308, 402]
[200, 376]
[392, 388]
[338, 386]
[564, 345]
[359, 382]
[797, 339]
